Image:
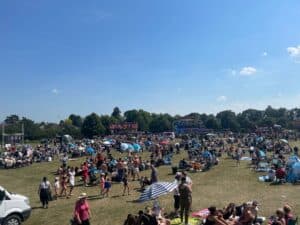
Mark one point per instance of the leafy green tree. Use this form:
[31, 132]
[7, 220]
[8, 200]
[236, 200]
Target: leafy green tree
[117, 113]
[228, 120]
[212, 123]
[92, 126]
[160, 123]
[76, 120]
[12, 119]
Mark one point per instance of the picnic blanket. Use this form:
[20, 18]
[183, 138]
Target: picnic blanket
[192, 221]
[203, 213]
[246, 159]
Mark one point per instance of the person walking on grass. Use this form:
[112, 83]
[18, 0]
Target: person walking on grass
[44, 192]
[63, 183]
[125, 184]
[82, 213]
[71, 180]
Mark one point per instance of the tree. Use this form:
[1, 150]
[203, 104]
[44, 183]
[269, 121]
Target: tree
[12, 119]
[117, 113]
[212, 123]
[160, 123]
[92, 126]
[76, 120]
[228, 120]
[106, 121]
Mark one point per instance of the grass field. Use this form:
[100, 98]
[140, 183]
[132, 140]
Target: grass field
[223, 184]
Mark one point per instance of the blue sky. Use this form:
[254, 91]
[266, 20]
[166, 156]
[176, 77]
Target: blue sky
[171, 56]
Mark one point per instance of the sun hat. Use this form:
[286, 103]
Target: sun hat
[82, 195]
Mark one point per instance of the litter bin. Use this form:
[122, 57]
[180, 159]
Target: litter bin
[174, 170]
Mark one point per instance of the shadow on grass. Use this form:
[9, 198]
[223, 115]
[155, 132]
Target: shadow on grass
[37, 207]
[134, 201]
[95, 197]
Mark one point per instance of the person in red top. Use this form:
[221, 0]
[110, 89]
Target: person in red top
[85, 173]
[280, 174]
[82, 213]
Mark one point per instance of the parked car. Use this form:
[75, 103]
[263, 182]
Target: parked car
[14, 208]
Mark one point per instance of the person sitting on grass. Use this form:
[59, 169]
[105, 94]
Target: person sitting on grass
[229, 211]
[279, 218]
[131, 220]
[214, 218]
[280, 175]
[288, 215]
[247, 217]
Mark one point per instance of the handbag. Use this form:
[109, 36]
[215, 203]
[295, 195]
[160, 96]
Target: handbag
[74, 221]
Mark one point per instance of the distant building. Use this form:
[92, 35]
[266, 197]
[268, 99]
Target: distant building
[123, 128]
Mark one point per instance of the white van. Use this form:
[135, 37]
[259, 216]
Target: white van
[14, 208]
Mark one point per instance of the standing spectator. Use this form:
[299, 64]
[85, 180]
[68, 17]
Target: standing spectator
[188, 180]
[71, 180]
[82, 212]
[176, 197]
[85, 173]
[154, 174]
[185, 200]
[136, 170]
[44, 192]
[65, 160]
[238, 156]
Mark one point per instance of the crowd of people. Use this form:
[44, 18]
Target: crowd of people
[103, 169]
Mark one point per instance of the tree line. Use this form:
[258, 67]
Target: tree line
[95, 125]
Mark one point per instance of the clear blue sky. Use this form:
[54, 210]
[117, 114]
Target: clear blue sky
[62, 57]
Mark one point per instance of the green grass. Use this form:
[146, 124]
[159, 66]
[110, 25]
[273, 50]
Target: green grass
[223, 184]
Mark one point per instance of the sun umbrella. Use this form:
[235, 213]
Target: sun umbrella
[157, 189]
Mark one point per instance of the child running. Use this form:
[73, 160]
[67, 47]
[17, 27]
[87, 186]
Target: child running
[107, 186]
[126, 185]
[56, 187]
[102, 183]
